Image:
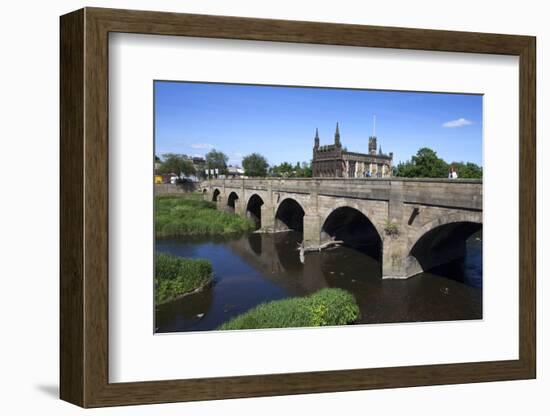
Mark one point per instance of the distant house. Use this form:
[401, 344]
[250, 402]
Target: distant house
[234, 171]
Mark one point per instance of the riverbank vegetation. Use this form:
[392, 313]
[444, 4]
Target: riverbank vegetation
[190, 215]
[177, 276]
[326, 307]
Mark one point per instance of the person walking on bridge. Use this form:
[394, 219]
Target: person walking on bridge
[452, 173]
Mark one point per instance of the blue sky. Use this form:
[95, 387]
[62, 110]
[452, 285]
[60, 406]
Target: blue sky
[279, 122]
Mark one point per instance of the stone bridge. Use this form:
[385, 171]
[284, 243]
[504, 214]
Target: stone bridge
[412, 225]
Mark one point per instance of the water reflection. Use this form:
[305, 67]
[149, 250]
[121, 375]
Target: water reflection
[260, 267]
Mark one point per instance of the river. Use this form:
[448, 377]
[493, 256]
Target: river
[256, 268]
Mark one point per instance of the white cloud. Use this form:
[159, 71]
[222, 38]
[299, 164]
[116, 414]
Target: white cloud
[202, 146]
[459, 122]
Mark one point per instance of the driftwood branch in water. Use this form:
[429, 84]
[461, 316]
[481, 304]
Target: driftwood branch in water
[323, 246]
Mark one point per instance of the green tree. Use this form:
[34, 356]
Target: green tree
[176, 163]
[255, 165]
[302, 170]
[284, 170]
[425, 164]
[287, 170]
[305, 170]
[216, 159]
[468, 170]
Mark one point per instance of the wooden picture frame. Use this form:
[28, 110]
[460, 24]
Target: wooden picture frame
[84, 207]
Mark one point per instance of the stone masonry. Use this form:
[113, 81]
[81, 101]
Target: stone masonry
[402, 210]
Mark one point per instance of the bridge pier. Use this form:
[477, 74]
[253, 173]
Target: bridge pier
[394, 247]
[312, 220]
[395, 261]
[240, 207]
[312, 233]
[268, 218]
[221, 201]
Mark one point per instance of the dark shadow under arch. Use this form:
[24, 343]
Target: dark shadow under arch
[353, 228]
[289, 216]
[254, 209]
[231, 201]
[444, 245]
[215, 195]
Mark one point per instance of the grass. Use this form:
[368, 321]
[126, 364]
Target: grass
[176, 276]
[326, 307]
[190, 215]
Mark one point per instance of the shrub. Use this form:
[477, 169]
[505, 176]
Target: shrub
[176, 276]
[391, 228]
[180, 216]
[323, 308]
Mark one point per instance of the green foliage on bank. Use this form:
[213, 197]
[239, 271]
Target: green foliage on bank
[326, 307]
[181, 216]
[176, 276]
[426, 164]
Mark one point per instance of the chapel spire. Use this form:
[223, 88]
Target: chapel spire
[316, 138]
[337, 136]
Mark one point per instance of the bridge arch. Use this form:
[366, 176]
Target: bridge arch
[289, 215]
[441, 241]
[254, 209]
[231, 201]
[363, 207]
[354, 228]
[215, 195]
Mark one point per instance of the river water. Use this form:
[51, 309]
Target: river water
[256, 268]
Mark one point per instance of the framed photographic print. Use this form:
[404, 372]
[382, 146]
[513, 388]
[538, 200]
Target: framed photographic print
[255, 207]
